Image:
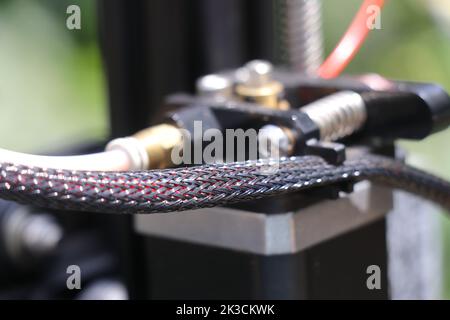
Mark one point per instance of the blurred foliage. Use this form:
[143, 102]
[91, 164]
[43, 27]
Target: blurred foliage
[52, 86]
[51, 80]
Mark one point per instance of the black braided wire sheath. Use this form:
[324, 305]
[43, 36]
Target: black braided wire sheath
[203, 186]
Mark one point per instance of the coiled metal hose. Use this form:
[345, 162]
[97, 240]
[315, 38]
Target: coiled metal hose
[337, 115]
[300, 39]
[203, 186]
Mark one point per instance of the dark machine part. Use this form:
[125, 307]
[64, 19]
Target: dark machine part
[407, 110]
[155, 48]
[144, 65]
[404, 111]
[38, 246]
[234, 115]
[326, 271]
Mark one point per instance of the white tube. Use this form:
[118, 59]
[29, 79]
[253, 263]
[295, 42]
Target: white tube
[114, 160]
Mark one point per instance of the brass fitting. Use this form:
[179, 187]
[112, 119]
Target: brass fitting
[150, 148]
[255, 84]
[158, 142]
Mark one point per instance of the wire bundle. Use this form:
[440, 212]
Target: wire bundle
[203, 186]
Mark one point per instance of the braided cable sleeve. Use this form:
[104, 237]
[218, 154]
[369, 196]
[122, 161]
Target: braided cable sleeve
[204, 186]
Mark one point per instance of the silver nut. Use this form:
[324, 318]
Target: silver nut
[214, 86]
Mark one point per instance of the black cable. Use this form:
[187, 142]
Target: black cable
[206, 185]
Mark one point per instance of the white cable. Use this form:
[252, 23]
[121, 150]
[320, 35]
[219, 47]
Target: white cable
[113, 160]
[121, 154]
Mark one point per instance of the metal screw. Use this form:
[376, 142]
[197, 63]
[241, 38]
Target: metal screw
[255, 73]
[28, 235]
[214, 86]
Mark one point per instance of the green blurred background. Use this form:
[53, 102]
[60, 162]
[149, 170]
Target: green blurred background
[53, 92]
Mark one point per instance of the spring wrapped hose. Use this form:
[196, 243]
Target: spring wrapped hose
[203, 186]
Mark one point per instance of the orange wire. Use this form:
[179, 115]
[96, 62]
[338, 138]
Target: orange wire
[351, 42]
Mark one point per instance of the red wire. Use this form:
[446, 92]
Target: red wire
[350, 43]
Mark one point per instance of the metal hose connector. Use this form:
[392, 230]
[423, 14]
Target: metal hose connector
[300, 38]
[150, 148]
[337, 115]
